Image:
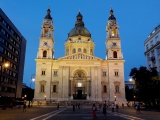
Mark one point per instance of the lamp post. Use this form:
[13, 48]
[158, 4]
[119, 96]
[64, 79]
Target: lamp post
[30, 96]
[115, 99]
[32, 79]
[45, 97]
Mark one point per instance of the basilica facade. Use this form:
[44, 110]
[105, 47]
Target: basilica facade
[79, 74]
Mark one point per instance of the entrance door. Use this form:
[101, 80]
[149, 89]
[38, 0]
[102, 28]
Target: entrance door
[79, 95]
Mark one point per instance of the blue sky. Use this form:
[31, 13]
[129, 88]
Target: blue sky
[136, 18]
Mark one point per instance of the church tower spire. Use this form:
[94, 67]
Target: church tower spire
[113, 44]
[46, 48]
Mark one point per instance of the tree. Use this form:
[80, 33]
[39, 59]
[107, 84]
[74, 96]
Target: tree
[129, 93]
[147, 83]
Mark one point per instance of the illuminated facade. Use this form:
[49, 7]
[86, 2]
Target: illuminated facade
[152, 49]
[79, 75]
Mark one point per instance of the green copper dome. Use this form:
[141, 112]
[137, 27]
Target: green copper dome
[79, 28]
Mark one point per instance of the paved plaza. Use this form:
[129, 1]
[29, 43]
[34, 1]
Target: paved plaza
[84, 113]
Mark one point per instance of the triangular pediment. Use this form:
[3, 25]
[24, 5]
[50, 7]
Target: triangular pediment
[79, 56]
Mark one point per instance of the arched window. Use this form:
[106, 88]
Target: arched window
[91, 52]
[74, 50]
[85, 51]
[104, 89]
[113, 32]
[117, 89]
[45, 53]
[79, 49]
[114, 54]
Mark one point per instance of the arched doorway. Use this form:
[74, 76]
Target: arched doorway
[80, 84]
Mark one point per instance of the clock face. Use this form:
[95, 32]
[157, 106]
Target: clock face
[111, 23]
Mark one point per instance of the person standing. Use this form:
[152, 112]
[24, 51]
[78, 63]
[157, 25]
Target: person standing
[57, 106]
[73, 107]
[117, 107]
[11, 105]
[104, 110]
[123, 105]
[24, 107]
[94, 109]
[138, 108]
[112, 107]
[99, 106]
[79, 105]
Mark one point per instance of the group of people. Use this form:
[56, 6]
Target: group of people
[94, 109]
[79, 105]
[104, 108]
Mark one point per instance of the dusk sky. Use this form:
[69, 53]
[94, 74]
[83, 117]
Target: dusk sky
[136, 19]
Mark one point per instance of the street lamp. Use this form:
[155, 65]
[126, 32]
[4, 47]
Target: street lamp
[115, 99]
[30, 96]
[133, 82]
[3, 66]
[32, 79]
[25, 96]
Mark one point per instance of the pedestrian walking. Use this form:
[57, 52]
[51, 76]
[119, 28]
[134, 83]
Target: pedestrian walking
[112, 107]
[11, 105]
[79, 105]
[24, 107]
[117, 107]
[137, 108]
[94, 109]
[122, 105]
[73, 107]
[100, 106]
[57, 106]
[104, 110]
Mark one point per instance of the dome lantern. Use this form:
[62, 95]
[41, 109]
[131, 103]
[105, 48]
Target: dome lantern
[48, 16]
[111, 15]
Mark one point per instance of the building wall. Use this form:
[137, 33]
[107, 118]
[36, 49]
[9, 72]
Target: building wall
[66, 68]
[152, 49]
[12, 51]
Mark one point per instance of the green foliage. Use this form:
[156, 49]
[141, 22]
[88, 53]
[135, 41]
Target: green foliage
[147, 83]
